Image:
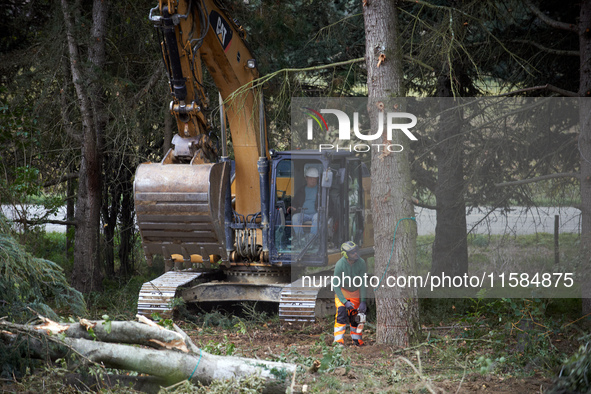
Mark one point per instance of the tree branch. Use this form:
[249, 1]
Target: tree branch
[549, 21]
[64, 106]
[149, 85]
[61, 179]
[419, 204]
[104, 345]
[552, 88]
[419, 62]
[262, 80]
[44, 221]
[540, 178]
[551, 51]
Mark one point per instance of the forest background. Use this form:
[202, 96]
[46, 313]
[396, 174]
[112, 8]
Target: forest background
[84, 98]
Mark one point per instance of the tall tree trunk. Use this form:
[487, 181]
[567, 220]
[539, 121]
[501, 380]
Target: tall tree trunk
[97, 58]
[110, 212]
[585, 139]
[71, 184]
[450, 249]
[70, 211]
[126, 224]
[87, 275]
[391, 189]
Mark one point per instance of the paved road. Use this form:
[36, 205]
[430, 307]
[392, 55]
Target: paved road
[34, 211]
[519, 221]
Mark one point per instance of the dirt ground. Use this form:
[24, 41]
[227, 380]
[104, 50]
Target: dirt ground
[438, 365]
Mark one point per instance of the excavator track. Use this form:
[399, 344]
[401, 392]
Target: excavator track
[301, 304]
[298, 304]
[155, 295]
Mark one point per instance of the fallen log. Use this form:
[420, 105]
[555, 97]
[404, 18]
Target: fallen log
[163, 353]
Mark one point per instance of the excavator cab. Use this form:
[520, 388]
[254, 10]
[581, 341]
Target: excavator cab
[339, 207]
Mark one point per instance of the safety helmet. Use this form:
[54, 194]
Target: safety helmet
[349, 248]
[312, 172]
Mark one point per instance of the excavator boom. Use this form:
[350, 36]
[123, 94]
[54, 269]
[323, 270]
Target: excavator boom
[180, 201]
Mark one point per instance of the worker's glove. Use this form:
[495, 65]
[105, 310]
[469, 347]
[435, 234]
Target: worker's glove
[362, 307]
[349, 305]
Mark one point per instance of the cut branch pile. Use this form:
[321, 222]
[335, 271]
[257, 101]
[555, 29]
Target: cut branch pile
[144, 347]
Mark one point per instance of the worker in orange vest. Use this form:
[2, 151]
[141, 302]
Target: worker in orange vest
[349, 271]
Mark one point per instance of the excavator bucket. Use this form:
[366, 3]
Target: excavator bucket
[180, 209]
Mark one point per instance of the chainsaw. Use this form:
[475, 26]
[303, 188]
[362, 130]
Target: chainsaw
[355, 316]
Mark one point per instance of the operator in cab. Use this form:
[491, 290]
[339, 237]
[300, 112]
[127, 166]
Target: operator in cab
[349, 299]
[305, 203]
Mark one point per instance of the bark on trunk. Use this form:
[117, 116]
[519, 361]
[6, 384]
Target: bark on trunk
[450, 249]
[126, 224]
[71, 182]
[70, 211]
[110, 211]
[175, 358]
[87, 275]
[391, 189]
[585, 140]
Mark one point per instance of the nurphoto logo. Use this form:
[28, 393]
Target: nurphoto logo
[393, 121]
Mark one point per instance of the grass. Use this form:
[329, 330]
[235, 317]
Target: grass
[118, 300]
[50, 246]
[513, 253]
[550, 193]
[119, 297]
[486, 253]
[499, 337]
[486, 351]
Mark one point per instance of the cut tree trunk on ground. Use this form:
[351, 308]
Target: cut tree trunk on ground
[172, 356]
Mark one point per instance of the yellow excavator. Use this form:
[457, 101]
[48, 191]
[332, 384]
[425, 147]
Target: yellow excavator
[222, 225]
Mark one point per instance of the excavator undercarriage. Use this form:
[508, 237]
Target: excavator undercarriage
[297, 303]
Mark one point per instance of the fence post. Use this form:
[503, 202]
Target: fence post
[556, 246]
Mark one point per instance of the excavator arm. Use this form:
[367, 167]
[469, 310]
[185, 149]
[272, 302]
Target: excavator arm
[182, 203]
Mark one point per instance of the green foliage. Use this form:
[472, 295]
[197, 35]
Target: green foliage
[15, 360]
[219, 319]
[333, 358]
[480, 240]
[24, 186]
[328, 384]
[25, 181]
[524, 322]
[250, 312]
[224, 348]
[162, 322]
[176, 302]
[107, 323]
[575, 374]
[49, 246]
[293, 355]
[487, 365]
[119, 298]
[30, 285]
[279, 374]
